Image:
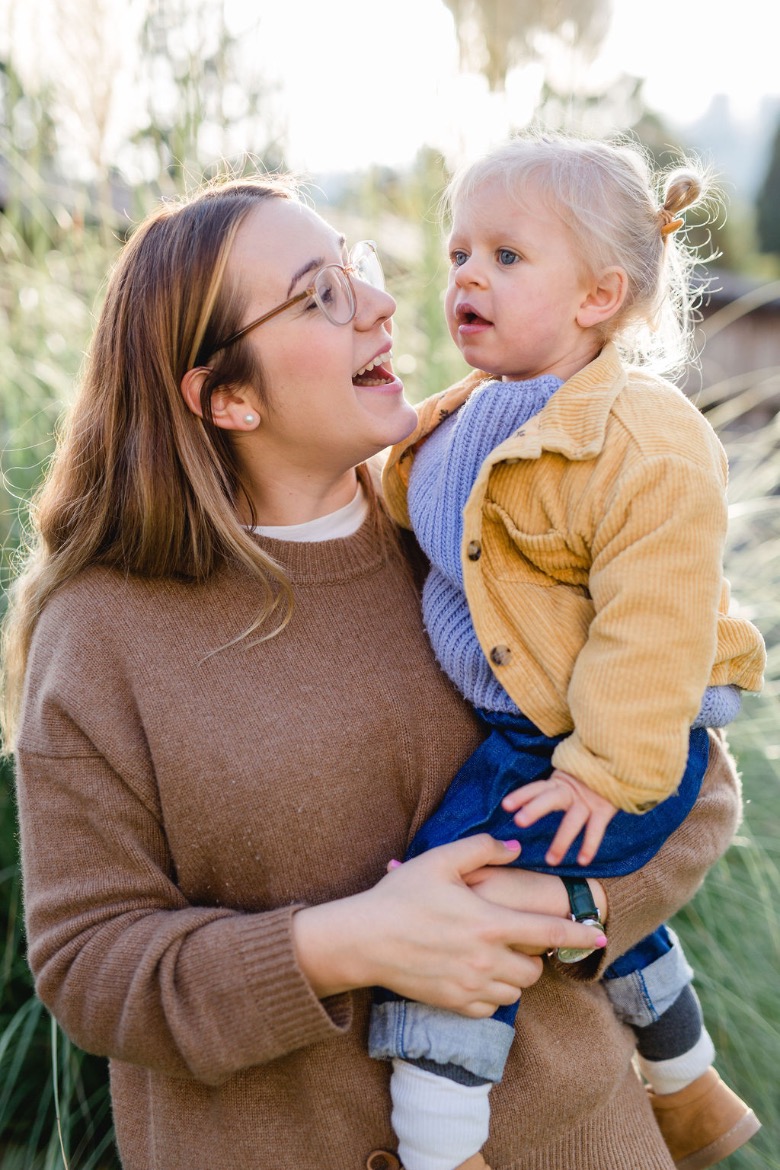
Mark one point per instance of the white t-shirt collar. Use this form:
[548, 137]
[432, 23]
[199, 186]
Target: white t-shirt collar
[335, 526]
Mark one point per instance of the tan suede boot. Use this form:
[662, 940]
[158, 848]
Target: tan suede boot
[704, 1122]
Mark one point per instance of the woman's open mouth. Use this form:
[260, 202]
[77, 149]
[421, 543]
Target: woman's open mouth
[378, 372]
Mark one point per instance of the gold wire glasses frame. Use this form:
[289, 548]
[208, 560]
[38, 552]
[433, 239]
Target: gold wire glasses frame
[331, 289]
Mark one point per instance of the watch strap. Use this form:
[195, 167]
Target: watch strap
[583, 908]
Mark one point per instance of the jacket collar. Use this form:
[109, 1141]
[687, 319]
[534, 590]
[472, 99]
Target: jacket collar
[573, 423]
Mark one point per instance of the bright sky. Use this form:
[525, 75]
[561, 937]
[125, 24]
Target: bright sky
[365, 81]
[368, 82]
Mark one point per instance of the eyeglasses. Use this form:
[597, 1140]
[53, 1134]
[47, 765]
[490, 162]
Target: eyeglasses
[332, 290]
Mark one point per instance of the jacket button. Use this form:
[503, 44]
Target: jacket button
[381, 1160]
[500, 655]
[474, 550]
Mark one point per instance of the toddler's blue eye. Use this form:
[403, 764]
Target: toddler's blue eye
[458, 258]
[507, 256]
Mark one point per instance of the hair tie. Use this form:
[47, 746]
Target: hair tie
[667, 222]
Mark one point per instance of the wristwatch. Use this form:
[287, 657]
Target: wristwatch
[584, 910]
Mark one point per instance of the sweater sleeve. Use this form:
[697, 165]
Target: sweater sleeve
[655, 583]
[125, 964]
[639, 902]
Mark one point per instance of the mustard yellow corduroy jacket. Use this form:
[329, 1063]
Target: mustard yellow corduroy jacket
[592, 560]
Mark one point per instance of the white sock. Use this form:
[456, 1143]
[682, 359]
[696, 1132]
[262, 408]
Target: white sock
[438, 1122]
[668, 1076]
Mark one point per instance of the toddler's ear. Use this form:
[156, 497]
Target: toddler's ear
[605, 296]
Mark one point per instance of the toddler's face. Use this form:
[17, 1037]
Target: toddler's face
[516, 288]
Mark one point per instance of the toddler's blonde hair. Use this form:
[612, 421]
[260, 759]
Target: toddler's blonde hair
[621, 214]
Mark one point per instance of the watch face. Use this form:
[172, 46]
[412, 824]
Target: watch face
[573, 954]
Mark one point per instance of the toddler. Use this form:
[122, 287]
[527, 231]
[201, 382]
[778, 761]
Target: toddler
[572, 504]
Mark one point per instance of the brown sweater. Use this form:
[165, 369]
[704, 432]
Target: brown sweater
[175, 807]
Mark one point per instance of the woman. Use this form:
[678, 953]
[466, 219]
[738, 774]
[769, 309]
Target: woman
[231, 722]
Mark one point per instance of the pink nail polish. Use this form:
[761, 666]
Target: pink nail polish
[512, 845]
[394, 864]
[601, 941]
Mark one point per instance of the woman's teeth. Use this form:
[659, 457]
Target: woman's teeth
[377, 361]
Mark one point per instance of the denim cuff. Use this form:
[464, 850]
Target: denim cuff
[641, 997]
[410, 1030]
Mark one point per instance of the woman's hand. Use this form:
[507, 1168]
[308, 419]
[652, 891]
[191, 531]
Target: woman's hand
[536, 893]
[424, 934]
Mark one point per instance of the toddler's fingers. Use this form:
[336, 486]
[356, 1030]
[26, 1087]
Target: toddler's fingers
[550, 799]
[515, 800]
[594, 835]
[567, 832]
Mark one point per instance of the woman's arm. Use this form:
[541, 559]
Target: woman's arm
[133, 971]
[127, 965]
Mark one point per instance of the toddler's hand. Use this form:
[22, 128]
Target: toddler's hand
[582, 808]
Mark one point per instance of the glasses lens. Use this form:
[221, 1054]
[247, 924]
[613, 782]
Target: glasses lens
[366, 264]
[334, 295]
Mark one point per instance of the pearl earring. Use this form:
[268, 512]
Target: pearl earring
[249, 419]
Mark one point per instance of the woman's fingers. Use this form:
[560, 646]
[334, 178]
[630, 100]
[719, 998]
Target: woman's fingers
[471, 853]
[536, 934]
[427, 936]
[422, 932]
[502, 995]
[518, 971]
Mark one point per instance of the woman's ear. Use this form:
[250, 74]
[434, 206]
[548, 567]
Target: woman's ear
[231, 408]
[605, 296]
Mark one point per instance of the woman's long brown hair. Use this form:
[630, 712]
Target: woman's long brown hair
[138, 482]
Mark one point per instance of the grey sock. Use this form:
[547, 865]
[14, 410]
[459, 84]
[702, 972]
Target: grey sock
[675, 1032]
[453, 1072]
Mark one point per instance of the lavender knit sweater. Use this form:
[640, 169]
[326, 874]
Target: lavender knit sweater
[442, 477]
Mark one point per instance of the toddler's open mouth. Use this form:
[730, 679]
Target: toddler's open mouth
[469, 320]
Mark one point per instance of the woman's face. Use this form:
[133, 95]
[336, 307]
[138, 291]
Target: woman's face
[320, 417]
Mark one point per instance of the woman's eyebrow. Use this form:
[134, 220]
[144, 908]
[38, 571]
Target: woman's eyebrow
[312, 266]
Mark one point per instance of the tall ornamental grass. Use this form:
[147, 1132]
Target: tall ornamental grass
[51, 271]
[51, 275]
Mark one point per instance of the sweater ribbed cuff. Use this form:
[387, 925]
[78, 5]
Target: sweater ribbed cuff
[288, 1013]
